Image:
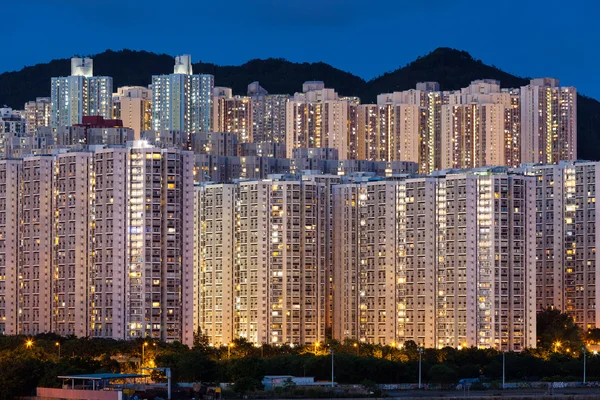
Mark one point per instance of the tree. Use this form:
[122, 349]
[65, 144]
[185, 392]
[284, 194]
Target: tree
[442, 373]
[289, 384]
[201, 341]
[593, 336]
[557, 331]
[245, 385]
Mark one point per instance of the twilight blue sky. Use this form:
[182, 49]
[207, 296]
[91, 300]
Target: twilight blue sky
[369, 37]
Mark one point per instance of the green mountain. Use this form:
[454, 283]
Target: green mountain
[453, 69]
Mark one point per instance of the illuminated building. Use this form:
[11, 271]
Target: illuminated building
[10, 206]
[133, 106]
[80, 94]
[441, 260]
[317, 117]
[268, 115]
[37, 114]
[548, 122]
[567, 239]
[232, 114]
[182, 101]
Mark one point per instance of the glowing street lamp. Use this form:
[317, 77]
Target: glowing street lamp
[143, 348]
[557, 345]
[29, 343]
[57, 344]
[317, 344]
[357, 349]
[229, 346]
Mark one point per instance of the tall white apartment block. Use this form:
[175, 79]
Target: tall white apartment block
[73, 241]
[37, 114]
[383, 258]
[443, 261]
[317, 118]
[270, 284]
[548, 122]
[133, 106]
[108, 297]
[80, 94]
[281, 286]
[232, 114]
[388, 132]
[35, 269]
[485, 275]
[215, 264]
[160, 193]
[567, 239]
[268, 115]
[182, 101]
[472, 135]
[10, 172]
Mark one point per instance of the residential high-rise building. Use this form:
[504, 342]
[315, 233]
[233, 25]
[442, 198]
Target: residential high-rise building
[133, 106]
[232, 114]
[388, 132]
[268, 115]
[159, 243]
[73, 243]
[548, 122]
[35, 268]
[472, 135]
[215, 143]
[262, 261]
[10, 175]
[37, 113]
[317, 118]
[80, 94]
[182, 101]
[110, 300]
[215, 261]
[567, 239]
[10, 122]
[443, 261]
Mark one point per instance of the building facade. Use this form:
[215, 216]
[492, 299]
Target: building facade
[182, 101]
[80, 94]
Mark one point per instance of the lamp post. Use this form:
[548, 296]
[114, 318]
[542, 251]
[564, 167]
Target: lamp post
[420, 359]
[57, 344]
[583, 349]
[357, 349]
[332, 368]
[143, 349]
[316, 347]
[29, 343]
[229, 346]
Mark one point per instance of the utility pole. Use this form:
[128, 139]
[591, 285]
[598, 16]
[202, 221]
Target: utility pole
[332, 368]
[420, 357]
[584, 371]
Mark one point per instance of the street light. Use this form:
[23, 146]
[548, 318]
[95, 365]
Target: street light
[357, 349]
[29, 343]
[583, 349]
[331, 368]
[316, 346]
[143, 348]
[57, 344]
[229, 346]
[557, 345]
[420, 357]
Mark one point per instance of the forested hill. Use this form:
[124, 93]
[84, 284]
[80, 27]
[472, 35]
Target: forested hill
[453, 69]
